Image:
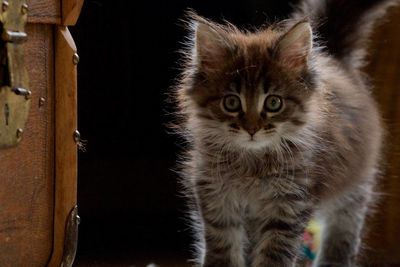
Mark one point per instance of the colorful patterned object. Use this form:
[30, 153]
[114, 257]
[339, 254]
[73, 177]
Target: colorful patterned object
[311, 243]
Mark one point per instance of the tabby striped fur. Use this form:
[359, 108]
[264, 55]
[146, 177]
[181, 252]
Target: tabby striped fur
[255, 177]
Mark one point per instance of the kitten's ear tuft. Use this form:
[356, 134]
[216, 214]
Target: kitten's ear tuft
[212, 44]
[294, 47]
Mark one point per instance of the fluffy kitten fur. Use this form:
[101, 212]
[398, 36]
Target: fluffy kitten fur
[256, 175]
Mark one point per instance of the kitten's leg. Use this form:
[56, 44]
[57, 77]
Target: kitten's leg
[343, 221]
[280, 230]
[223, 232]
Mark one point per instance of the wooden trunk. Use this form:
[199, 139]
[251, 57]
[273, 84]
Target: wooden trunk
[38, 176]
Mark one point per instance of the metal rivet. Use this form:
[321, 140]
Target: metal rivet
[75, 59]
[22, 91]
[77, 136]
[42, 101]
[19, 91]
[19, 132]
[81, 144]
[4, 6]
[24, 9]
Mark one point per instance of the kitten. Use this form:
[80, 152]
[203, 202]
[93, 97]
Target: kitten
[280, 129]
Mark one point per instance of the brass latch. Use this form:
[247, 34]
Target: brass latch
[14, 93]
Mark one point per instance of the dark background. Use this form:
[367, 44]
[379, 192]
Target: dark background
[127, 192]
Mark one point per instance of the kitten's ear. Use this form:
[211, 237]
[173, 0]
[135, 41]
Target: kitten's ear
[212, 45]
[294, 47]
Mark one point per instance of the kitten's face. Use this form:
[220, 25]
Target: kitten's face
[250, 93]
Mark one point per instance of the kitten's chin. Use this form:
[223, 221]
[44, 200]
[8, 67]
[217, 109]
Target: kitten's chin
[257, 144]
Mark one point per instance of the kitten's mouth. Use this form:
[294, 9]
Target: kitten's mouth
[253, 138]
[259, 139]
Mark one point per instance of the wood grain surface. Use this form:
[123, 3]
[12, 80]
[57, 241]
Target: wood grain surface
[65, 145]
[44, 11]
[70, 11]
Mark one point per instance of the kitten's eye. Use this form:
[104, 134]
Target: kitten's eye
[232, 103]
[273, 103]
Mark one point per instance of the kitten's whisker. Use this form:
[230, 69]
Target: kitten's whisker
[292, 159]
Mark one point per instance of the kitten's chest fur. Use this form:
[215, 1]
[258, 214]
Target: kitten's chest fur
[244, 168]
[254, 183]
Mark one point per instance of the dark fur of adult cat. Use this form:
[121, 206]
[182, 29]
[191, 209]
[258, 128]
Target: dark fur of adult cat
[281, 125]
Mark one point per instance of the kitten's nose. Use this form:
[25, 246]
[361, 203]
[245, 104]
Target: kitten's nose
[252, 131]
[252, 123]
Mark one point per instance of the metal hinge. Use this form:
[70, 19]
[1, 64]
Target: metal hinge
[71, 238]
[14, 93]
